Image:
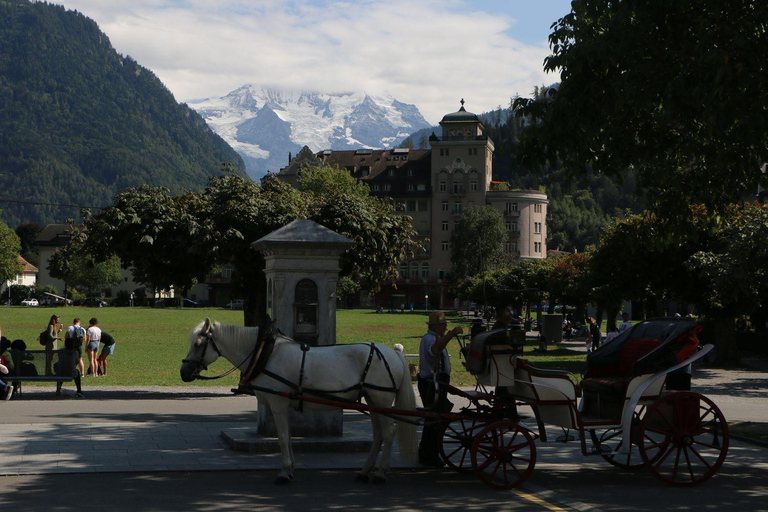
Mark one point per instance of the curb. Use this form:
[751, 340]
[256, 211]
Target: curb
[749, 440]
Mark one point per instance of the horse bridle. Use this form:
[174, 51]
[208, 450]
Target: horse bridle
[199, 362]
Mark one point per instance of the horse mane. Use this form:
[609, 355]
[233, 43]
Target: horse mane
[241, 337]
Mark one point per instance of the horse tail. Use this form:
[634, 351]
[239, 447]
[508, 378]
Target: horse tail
[406, 400]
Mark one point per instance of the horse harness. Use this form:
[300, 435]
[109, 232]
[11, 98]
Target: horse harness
[361, 386]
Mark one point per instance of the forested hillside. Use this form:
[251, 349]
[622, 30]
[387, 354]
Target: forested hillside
[79, 122]
[577, 210]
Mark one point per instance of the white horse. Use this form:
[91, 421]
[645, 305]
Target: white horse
[338, 370]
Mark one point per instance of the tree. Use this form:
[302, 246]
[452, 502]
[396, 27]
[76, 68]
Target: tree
[163, 238]
[10, 246]
[674, 90]
[77, 266]
[28, 233]
[477, 246]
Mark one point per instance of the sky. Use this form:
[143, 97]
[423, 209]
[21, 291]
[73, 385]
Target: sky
[431, 53]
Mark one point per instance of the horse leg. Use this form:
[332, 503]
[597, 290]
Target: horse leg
[280, 413]
[387, 428]
[370, 463]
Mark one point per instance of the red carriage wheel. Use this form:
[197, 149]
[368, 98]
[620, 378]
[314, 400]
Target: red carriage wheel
[456, 440]
[695, 438]
[611, 438]
[504, 454]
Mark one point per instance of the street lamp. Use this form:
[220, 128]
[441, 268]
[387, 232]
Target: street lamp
[426, 303]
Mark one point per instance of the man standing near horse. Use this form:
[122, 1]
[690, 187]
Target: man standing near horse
[434, 369]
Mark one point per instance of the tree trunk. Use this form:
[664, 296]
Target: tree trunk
[612, 313]
[719, 331]
[255, 302]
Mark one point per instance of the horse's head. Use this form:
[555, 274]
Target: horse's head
[202, 351]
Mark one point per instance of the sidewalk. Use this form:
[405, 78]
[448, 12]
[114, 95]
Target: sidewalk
[180, 428]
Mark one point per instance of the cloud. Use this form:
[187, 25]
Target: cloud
[430, 53]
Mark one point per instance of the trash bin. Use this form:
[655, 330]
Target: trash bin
[552, 327]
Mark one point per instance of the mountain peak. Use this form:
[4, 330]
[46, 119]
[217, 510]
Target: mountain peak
[319, 120]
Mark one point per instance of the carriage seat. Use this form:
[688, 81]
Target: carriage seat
[613, 381]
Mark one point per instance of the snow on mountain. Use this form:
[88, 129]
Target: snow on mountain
[264, 125]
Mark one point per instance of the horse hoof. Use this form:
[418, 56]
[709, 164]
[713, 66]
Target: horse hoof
[361, 478]
[379, 479]
[281, 480]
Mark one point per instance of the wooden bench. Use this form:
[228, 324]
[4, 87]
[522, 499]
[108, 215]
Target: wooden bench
[30, 366]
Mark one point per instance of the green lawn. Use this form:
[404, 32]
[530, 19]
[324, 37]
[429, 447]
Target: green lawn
[152, 342]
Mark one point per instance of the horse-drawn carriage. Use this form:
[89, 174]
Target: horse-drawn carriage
[627, 403]
[632, 405]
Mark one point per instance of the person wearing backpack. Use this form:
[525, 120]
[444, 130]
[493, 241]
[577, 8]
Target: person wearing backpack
[51, 344]
[74, 340]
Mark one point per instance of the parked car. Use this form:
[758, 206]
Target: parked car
[30, 302]
[95, 302]
[189, 303]
[235, 304]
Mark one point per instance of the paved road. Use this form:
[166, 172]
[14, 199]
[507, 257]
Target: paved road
[160, 449]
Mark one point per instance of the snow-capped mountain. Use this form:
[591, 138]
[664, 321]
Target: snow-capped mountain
[264, 125]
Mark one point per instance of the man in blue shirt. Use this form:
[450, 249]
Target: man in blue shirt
[434, 366]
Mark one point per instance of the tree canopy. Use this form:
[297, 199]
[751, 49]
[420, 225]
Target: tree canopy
[10, 246]
[477, 246]
[673, 90]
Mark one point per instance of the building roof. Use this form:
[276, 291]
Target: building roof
[27, 267]
[303, 232]
[54, 234]
[460, 116]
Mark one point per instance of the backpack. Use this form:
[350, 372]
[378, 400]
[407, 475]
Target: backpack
[43, 338]
[78, 336]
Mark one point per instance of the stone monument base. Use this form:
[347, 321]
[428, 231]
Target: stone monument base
[307, 423]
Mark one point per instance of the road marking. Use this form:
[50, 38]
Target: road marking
[538, 501]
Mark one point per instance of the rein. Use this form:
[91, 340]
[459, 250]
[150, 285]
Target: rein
[199, 362]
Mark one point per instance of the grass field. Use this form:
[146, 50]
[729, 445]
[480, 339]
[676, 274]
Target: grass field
[152, 342]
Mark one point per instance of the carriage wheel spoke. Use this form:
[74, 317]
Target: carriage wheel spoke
[677, 463]
[706, 445]
[698, 455]
[690, 466]
[665, 456]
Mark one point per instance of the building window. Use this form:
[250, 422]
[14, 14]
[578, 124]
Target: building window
[537, 228]
[509, 226]
[403, 270]
[397, 158]
[514, 246]
[508, 246]
[375, 187]
[514, 227]
[424, 227]
[386, 188]
[226, 273]
[445, 246]
[411, 206]
[390, 172]
[414, 270]
[445, 225]
[458, 188]
[425, 270]
[537, 208]
[457, 208]
[445, 152]
[443, 186]
[410, 172]
[411, 187]
[472, 151]
[441, 274]
[537, 247]
[473, 186]
[445, 206]
[421, 187]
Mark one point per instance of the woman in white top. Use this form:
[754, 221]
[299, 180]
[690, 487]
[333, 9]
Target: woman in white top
[93, 336]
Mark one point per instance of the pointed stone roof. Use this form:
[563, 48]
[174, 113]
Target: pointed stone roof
[303, 232]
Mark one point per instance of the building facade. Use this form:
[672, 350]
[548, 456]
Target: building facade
[434, 186]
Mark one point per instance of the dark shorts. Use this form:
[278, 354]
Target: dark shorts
[108, 350]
